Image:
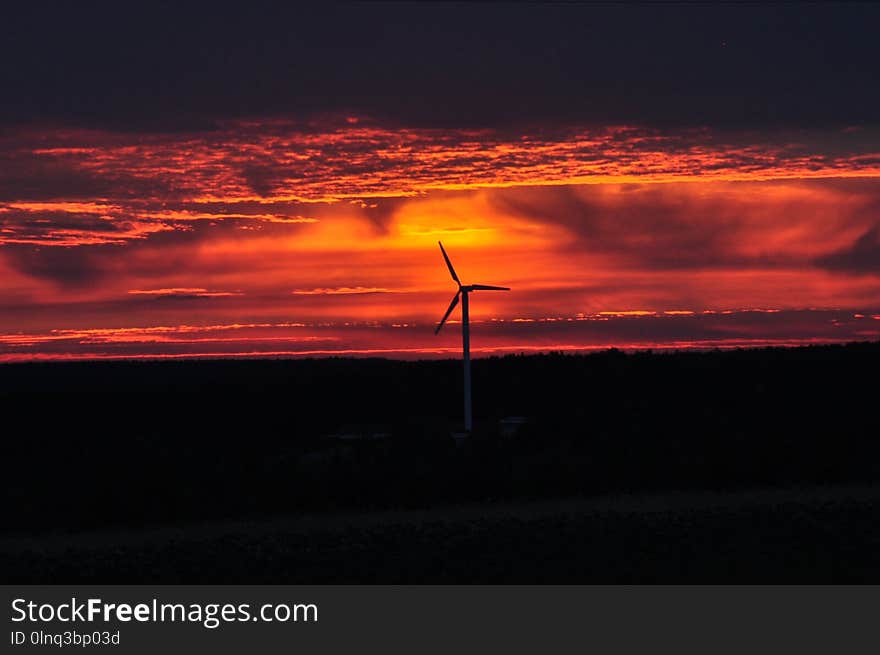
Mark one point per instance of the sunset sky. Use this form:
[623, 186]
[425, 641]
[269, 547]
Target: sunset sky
[194, 183]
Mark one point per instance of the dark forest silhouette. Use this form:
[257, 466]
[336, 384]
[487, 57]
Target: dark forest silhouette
[129, 443]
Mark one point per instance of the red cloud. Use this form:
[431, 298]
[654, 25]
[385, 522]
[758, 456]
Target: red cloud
[331, 224]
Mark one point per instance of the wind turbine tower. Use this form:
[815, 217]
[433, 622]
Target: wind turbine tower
[462, 293]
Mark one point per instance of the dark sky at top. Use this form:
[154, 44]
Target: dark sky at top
[145, 66]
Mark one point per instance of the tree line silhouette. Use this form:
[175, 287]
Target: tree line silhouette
[91, 444]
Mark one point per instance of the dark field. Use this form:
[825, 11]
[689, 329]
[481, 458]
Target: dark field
[794, 536]
[111, 449]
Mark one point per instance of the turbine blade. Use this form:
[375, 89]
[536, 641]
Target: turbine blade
[448, 312]
[486, 287]
[449, 264]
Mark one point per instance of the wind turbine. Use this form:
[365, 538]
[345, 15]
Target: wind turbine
[463, 291]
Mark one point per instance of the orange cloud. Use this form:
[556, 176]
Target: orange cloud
[341, 291]
[183, 291]
[337, 226]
